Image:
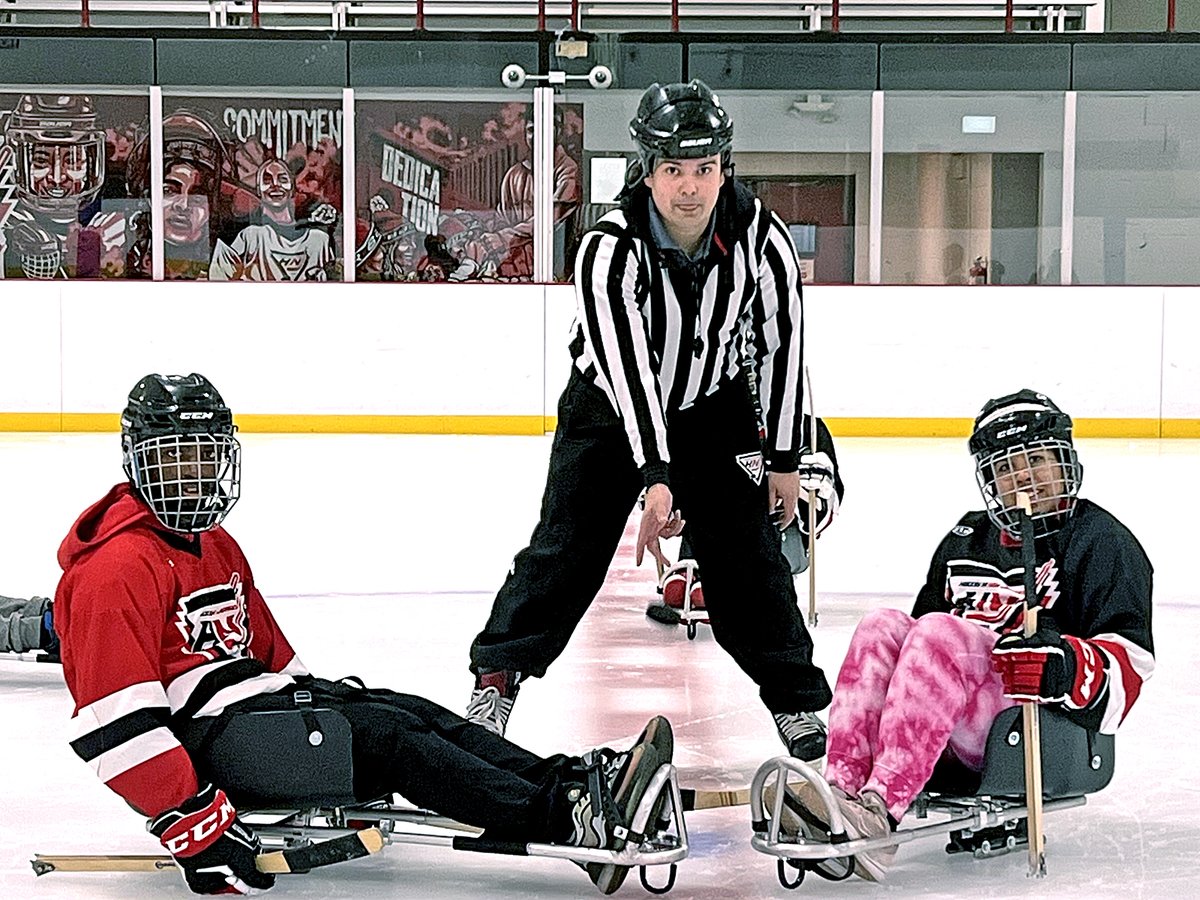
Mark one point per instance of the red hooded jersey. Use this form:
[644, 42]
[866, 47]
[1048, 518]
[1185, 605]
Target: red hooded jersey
[157, 627]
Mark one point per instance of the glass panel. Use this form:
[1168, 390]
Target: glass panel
[445, 189]
[252, 188]
[806, 155]
[1137, 203]
[972, 188]
[65, 207]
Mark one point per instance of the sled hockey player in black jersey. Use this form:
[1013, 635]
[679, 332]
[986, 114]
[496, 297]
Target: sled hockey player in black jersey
[191, 704]
[918, 694]
[666, 287]
[680, 583]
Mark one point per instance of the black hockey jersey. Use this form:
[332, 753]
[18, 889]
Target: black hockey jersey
[1093, 578]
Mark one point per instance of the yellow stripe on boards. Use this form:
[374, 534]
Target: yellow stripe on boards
[260, 423]
[941, 428]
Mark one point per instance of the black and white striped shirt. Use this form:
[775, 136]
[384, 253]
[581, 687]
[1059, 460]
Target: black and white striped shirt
[655, 337]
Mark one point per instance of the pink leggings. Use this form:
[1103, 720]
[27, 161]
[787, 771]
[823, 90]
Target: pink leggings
[908, 690]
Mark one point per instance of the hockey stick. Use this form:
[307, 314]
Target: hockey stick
[812, 511]
[1029, 712]
[278, 862]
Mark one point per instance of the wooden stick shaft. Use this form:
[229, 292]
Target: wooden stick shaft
[812, 558]
[1029, 712]
[812, 509]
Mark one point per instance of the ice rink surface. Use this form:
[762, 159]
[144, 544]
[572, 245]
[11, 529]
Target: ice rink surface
[380, 556]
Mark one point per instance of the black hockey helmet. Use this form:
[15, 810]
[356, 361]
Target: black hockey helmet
[1009, 433]
[681, 121]
[179, 451]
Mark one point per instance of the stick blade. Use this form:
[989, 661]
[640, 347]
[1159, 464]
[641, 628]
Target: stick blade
[667, 615]
[326, 853]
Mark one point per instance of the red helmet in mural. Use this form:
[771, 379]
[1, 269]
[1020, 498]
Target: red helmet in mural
[59, 152]
[188, 137]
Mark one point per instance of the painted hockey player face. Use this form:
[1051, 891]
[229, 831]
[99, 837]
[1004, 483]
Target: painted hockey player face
[275, 186]
[58, 171]
[1034, 470]
[185, 204]
[685, 194]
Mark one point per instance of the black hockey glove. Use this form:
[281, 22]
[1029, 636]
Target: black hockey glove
[1048, 667]
[215, 851]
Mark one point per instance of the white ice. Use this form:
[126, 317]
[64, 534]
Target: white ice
[380, 556]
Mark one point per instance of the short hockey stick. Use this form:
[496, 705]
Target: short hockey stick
[278, 862]
[1029, 712]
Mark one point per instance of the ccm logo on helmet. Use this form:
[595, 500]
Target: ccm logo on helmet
[195, 415]
[695, 142]
[1008, 432]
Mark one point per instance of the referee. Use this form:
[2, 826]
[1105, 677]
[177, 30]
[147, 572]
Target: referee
[690, 275]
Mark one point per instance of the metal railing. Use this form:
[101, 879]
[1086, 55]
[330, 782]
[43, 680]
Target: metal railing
[589, 15]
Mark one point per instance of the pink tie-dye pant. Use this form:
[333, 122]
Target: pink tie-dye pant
[908, 689]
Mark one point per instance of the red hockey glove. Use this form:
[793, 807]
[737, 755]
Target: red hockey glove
[215, 851]
[1049, 668]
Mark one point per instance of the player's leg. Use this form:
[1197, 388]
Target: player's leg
[944, 693]
[24, 625]
[861, 694]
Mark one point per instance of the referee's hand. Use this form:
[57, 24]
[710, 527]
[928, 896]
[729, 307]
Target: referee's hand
[783, 493]
[658, 521]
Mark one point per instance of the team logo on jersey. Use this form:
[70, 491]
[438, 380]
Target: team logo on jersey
[291, 264]
[752, 465]
[962, 530]
[983, 593]
[213, 620]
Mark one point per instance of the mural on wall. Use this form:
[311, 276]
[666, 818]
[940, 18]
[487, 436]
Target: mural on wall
[445, 193]
[65, 211]
[250, 192]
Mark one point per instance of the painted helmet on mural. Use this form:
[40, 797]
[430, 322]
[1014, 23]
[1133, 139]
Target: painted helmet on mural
[1022, 443]
[180, 453]
[681, 121]
[59, 152]
[188, 137]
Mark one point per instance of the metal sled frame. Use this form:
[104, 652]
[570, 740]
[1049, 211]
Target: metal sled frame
[288, 828]
[687, 615]
[968, 815]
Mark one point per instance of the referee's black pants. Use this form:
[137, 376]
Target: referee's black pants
[591, 487]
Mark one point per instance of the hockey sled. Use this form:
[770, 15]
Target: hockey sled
[305, 838]
[677, 607]
[980, 813]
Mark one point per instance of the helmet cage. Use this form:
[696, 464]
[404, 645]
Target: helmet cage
[1004, 472]
[681, 121]
[189, 481]
[44, 122]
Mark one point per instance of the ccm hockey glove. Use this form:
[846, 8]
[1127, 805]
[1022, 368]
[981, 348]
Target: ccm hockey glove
[215, 851]
[1049, 667]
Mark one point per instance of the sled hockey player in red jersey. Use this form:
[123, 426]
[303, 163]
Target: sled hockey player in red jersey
[168, 646]
[922, 688]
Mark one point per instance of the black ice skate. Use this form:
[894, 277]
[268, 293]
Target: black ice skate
[802, 733]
